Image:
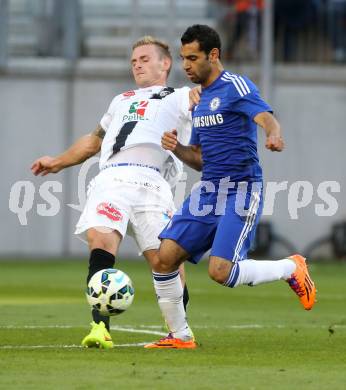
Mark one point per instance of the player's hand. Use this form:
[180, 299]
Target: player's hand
[275, 143]
[169, 140]
[44, 165]
[194, 96]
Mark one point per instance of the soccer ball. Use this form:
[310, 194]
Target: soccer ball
[110, 292]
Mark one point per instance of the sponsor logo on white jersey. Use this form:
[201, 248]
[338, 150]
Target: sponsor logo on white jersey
[128, 94]
[136, 111]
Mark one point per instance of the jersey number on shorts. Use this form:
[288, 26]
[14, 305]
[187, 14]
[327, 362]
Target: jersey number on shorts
[124, 132]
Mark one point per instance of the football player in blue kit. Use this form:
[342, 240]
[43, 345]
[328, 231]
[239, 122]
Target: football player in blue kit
[223, 210]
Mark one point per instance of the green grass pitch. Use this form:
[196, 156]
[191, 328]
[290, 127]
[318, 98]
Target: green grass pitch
[250, 338]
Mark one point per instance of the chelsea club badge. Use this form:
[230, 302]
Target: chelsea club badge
[214, 103]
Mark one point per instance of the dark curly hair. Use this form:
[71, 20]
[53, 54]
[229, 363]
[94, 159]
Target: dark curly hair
[206, 36]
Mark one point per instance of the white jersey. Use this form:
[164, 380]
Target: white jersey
[141, 117]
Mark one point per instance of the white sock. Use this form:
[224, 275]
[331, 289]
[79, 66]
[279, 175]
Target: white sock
[169, 292]
[253, 272]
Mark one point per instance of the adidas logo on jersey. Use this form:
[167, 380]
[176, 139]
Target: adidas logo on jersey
[238, 81]
[208, 120]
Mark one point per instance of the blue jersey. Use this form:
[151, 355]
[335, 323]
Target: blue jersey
[223, 125]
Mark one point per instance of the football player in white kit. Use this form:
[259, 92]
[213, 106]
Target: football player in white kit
[132, 193]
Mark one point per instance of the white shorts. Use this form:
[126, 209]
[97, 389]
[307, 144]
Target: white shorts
[133, 200]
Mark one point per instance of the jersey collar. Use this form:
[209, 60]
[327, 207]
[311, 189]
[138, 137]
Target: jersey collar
[215, 82]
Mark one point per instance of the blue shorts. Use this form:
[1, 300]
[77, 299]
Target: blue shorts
[226, 224]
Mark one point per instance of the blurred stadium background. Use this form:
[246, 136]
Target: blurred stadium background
[62, 61]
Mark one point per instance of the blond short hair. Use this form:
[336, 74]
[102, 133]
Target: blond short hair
[162, 47]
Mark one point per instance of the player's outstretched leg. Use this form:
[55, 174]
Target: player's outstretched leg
[301, 283]
[252, 272]
[99, 336]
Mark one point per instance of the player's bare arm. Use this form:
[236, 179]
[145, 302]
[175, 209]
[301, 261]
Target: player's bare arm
[84, 148]
[191, 155]
[99, 132]
[272, 129]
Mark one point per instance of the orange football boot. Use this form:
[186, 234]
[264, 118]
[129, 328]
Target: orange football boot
[301, 283]
[173, 343]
